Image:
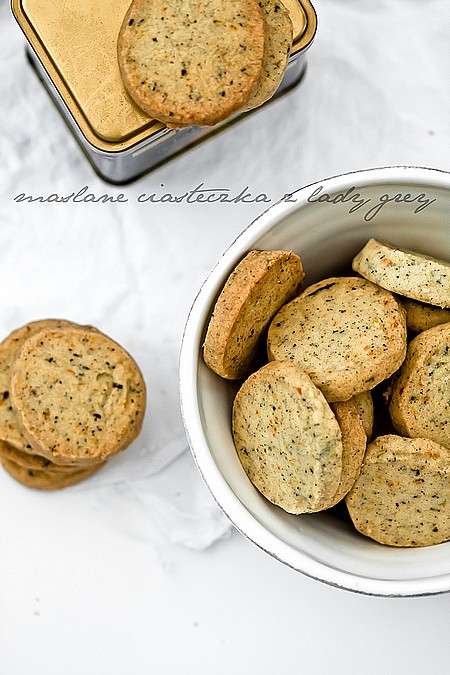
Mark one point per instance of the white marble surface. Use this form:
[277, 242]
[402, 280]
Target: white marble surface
[135, 571]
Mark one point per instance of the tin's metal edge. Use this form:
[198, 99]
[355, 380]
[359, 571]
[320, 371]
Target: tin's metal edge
[40, 53]
[309, 33]
[72, 110]
[105, 163]
[67, 113]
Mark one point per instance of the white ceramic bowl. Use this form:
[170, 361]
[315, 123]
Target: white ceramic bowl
[326, 224]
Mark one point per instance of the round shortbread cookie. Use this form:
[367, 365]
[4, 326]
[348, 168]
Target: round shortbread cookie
[420, 403]
[407, 273]
[279, 45]
[401, 497]
[347, 333]
[193, 62]
[10, 347]
[365, 408]
[287, 438]
[257, 288]
[354, 442]
[78, 395]
[42, 479]
[420, 316]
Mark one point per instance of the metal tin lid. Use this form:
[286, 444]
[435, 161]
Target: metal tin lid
[76, 43]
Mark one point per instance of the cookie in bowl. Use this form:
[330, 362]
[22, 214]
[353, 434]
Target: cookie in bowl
[324, 545]
[256, 289]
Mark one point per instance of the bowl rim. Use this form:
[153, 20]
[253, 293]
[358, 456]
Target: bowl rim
[223, 495]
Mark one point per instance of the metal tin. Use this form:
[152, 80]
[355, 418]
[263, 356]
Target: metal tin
[72, 46]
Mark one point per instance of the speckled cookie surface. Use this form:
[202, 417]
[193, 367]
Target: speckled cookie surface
[354, 442]
[347, 333]
[401, 497]
[261, 283]
[420, 403]
[287, 438]
[9, 349]
[407, 273]
[279, 45]
[78, 395]
[420, 316]
[192, 62]
[42, 479]
[365, 409]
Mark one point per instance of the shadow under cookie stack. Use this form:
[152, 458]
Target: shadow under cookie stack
[70, 398]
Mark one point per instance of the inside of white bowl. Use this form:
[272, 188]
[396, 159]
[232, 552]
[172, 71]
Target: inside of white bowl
[326, 235]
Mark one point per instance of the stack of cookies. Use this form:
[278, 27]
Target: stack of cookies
[70, 397]
[303, 423]
[198, 62]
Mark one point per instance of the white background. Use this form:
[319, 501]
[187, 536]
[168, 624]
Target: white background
[136, 571]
